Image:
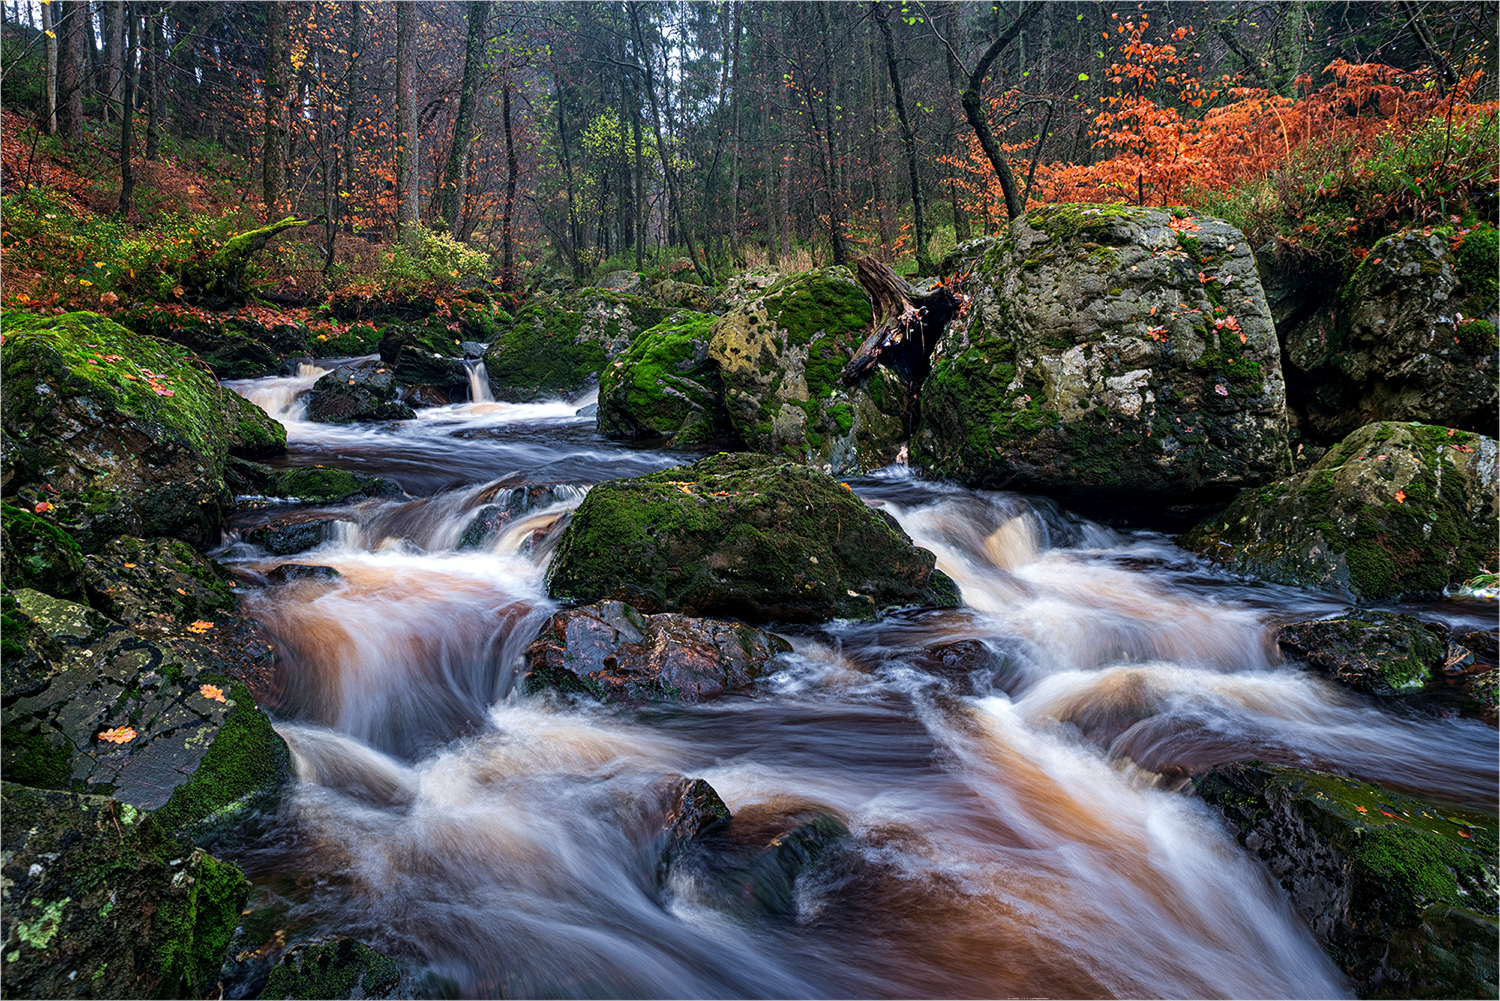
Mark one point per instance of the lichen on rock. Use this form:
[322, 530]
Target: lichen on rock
[1379, 652]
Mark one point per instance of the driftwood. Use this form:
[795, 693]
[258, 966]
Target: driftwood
[909, 321]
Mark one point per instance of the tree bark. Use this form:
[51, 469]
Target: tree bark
[49, 84]
[127, 122]
[455, 173]
[961, 230]
[407, 140]
[219, 279]
[71, 60]
[507, 239]
[908, 139]
[114, 63]
[277, 124]
[734, 141]
[151, 56]
[973, 103]
[351, 99]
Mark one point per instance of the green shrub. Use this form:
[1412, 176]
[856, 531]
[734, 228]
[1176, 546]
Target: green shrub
[437, 257]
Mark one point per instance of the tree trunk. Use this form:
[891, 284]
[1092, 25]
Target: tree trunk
[974, 109]
[71, 60]
[49, 85]
[507, 239]
[961, 230]
[127, 122]
[455, 173]
[908, 139]
[571, 246]
[152, 57]
[641, 215]
[407, 141]
[219, 279]
[351, 99]
[734, 141]
[704, 274]
[278, 78]
[115, 62]
[838, 239]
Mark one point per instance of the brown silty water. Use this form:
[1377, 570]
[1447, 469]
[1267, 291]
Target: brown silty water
[1018, 825]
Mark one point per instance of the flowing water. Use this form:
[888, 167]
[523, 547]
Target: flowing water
[1019, 829]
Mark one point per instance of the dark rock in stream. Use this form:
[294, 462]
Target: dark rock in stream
[288, 572]
[289, 535]
[335, 968]
[157, 587]
[747, 536]
[504, 504]
[1379, 652]
[617, 654]
[355, 394]
[102, 901]
[1401, 892]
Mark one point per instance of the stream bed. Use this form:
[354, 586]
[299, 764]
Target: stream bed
[1023, 828]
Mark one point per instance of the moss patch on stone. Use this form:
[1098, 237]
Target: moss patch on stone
[662, 380]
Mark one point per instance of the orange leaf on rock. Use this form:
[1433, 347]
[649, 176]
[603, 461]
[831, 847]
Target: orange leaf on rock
[1400, 496]
[119, 735]
[213, 692]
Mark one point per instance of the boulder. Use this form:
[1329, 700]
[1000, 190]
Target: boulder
[742, 535]
[93, 706]
[559, 344]
[617, 654]
[503, 504]
[289, 534]
[357, 393]
[964, 256]
[1410, 338]
[328, 485]
[157, 587]
[335, 967]
[286, 573]
[665, 385]
[231, 353]
[780, 355]
[1110, 347]
[36, 553]
[423, 356]
[625, 282]
[123, 433]
[693, 809]
[1400, 892]
[103, 901]
[690, 295]
[1393, 510]
[1379, 652]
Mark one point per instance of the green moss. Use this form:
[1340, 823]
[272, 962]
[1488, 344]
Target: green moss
[342, 968]
[194, 928]
[843, 417]
[1065, 220]
[1477, 336]
[1477, 261]
[325, 485]
[661, 380]
[33, 760]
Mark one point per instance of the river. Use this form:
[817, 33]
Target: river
[1022, 829]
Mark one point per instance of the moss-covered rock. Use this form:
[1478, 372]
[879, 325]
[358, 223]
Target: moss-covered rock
[617, 654]
[36, 553]
[337, 967]
[199, 755]
[663, 383]
[559, 344]
[352, 394]
[1393, 510]
[742, 535]
[230, 352]
[1110, 347]
[780, 355]
[1380, 652]
[330, 485]
[129, 433]
[1401, 892]
[158, 587]
[100, 900]
[424, 356]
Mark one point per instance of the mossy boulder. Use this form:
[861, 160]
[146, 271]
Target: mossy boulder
[1410, 338]
[336, 967]
[329, 485]
[742, 535]
[424, 356]
[128, 432]
[231, 352]
[157, 587]
[352, 394]
[617, 654]
[102, 900]
[558, 344]
[1114, 349]
[670, 292]
[780, 354]
[1401, 892]
[36, 553]
[200, 757]
[1379, 652]
[1393, 510]
[664, 384]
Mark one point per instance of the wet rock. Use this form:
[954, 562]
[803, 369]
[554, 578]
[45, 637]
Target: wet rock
[742, 535]
[558, 345]
[663, 383]
[290, 534]
[288, 572]
[158, 587]
[354, 394]
[1402, 893]
[129, 433]
[101, 900]
[326, 485]
[503, 504]
[964, 662]
[230, 350]
[693, 810]
[422, 356]
[1482, 691]
[689, 295]
[617, 654]
[36, 553]
[1110, 349]
[1484, 644]
[1393, 510]
[335, 967]
[1379, 652]
[199, 756]
[779, 356]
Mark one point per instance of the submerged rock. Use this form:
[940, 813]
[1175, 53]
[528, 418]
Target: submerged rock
[617, 654]
[1379, 652]
[742, 535]
[1393, 510]
[123, 433]
[101, 900]
[1402, 893]
[665, 384]
[1110, 348]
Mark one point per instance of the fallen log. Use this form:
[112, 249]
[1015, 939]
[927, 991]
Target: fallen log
[219, 278]
[909, 321]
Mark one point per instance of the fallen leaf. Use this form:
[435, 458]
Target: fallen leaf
[119, 735]
[181, 592]
[1361, 809]
[200, 627]
[211, 692]
[43, 506]
[130, 566]
[1219, 388]
[1400, 496]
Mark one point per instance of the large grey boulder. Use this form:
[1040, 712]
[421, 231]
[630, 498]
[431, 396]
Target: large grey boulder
[1110, 347]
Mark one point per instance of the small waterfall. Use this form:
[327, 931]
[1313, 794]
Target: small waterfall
[479, 381]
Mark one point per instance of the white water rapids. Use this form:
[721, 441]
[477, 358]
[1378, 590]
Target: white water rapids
[1027, 831]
